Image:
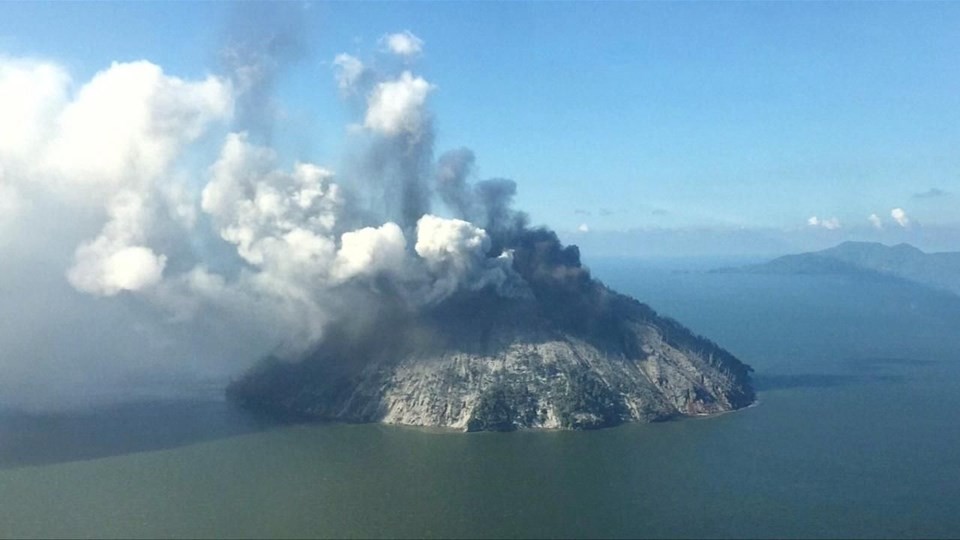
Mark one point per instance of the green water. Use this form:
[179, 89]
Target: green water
[855, 435]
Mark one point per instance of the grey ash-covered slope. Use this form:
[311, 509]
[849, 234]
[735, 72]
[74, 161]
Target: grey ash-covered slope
[902, 261]
[572, 355]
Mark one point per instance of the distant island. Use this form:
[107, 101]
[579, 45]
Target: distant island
[935, 270]
[571, 354]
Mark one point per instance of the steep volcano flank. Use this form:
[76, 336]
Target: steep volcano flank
[573, 354]
[572, 300]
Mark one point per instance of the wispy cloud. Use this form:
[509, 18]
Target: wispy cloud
[875, 221]
[348, 71]
[932, 193]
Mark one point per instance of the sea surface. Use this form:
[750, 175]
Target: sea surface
[856, 434]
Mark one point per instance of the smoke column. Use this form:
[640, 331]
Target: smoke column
[125, 268]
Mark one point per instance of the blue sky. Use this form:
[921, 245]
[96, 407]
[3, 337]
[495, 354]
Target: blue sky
[620, 116]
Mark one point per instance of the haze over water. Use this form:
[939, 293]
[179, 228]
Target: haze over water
[854, 435]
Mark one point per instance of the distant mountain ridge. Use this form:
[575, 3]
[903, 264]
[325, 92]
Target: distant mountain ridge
[903, 261]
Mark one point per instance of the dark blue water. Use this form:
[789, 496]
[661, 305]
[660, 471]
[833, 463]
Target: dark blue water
[855, 435]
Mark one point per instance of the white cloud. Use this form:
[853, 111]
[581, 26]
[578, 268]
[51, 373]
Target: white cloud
[875, 221]
[900, 216]
[115, 142]
[133, 268]
[121, 130]
[348, 71]
[32, 93]
[398, 106]
[115, 260]
[126, 126]
[584, 228]
[830, 224]
[403, 44]
[110, 145]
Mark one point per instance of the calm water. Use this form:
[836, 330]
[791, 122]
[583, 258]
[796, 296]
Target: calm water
[856, 435]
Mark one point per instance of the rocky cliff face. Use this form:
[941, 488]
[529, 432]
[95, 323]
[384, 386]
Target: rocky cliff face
[485, 363]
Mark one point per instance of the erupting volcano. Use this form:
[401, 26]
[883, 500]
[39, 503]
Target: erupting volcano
[503, 328]
[402, 288]
[484, 323]
[564, 352]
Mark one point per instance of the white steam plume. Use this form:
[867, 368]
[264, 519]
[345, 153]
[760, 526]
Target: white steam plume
[115, 260]
[397, 106]
[260, 255]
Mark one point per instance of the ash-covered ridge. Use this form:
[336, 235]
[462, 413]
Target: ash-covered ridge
[568, 354]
